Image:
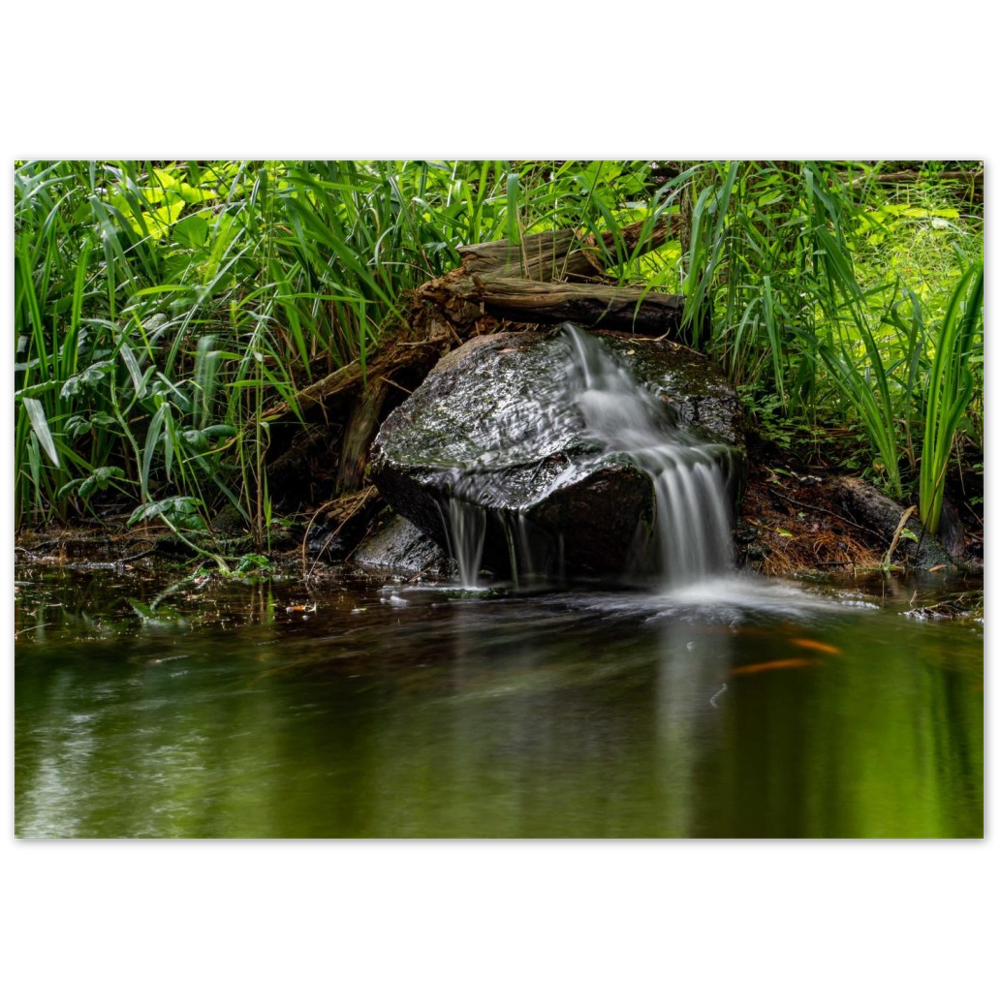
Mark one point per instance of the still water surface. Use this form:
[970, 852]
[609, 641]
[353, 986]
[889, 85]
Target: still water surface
[737, 710]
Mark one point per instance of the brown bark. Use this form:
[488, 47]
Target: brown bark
[564, 254]
[361, 430]
[627, 309]
[913, 176]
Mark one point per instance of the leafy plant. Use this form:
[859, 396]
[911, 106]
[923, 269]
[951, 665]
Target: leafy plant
[950, 388]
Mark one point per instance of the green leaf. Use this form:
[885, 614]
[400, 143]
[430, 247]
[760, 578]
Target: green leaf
[178, 511]
[87, 379]
[98, 480]
[152, 440]
[143, 610]
[36, 390]
[36, 414]
[219, 430]
[132, 364]
[191, 231]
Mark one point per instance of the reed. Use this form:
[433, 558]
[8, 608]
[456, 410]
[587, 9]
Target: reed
[161, 308]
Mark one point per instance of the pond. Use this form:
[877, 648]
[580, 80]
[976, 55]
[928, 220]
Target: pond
[742, 708]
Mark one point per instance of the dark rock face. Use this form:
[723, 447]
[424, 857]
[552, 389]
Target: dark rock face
[493, 426]
[400, 547]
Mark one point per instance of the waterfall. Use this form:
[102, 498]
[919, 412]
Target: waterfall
[689, 537]
[465, 528]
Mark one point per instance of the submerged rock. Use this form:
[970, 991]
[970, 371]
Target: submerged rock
[496, 456]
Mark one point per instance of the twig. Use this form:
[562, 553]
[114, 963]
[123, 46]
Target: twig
[823, 510]
[142, 555]
[362, 500]
[395, 385]
[898, 534]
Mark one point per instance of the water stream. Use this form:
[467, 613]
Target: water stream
[690, 538]
[355, 711]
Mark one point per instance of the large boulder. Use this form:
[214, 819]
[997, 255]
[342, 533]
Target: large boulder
[495, 442]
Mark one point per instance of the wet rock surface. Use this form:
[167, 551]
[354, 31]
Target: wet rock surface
[402, 548]
[493, 426]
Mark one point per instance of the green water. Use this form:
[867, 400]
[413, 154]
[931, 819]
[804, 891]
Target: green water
[403, 713]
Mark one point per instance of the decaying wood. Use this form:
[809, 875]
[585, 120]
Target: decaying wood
[564, 254]
[361, 430]
[913, 176]
[556, 256]
[639, 238]
[881, 515]
[392, 357]
[628, 309]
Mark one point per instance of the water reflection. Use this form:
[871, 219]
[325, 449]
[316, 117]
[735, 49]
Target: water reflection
[581, 715]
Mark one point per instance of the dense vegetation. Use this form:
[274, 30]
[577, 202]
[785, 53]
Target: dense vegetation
[161, 308]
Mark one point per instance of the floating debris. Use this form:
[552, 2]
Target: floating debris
[964, 605]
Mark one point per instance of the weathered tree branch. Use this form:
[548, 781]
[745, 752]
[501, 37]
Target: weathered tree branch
[564, 254]
[913, 176]
[628, 309]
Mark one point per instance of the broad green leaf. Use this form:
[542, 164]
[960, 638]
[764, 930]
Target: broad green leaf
[39, 389]
[191, 231]
[179, 511]
[36, 414]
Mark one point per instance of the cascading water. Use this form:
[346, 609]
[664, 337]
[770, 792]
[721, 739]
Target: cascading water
[689, 538]
[465, 526]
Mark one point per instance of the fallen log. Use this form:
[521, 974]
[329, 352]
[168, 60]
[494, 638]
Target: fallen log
[565, 254]
[974, 177]
[631, 310]
[562, 255]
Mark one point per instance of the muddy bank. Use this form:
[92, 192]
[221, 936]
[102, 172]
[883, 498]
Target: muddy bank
[798, 518]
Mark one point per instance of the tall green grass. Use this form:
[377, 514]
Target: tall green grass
[822, 295]
[161, 308]
[951, 385]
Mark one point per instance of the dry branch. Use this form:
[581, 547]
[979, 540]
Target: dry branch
[564, 254]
